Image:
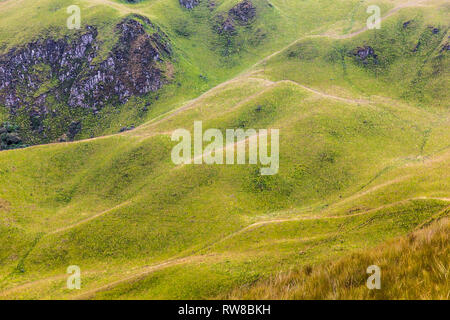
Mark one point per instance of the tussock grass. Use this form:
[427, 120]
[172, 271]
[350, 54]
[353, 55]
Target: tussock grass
[415, 266]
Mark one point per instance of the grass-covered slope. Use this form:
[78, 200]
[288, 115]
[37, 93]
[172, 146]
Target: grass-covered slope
[360, 162]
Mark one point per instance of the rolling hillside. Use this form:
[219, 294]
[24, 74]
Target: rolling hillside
[364, 150]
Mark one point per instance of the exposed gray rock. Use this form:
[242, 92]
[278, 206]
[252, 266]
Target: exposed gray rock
[406, 24]
[244, 12]
[67, 70]
[225, 25]
[189, 4]
[130, 70]
[364, 53]
[20, 68]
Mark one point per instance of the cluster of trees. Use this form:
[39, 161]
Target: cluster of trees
[9, 137]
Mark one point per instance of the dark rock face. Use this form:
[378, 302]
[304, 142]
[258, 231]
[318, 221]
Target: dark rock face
[435, 30]
[65, 70]
[130, 70]
[17, 68]
[365, 52]
[243, 12]
[225, 25]
[189, 4]
[406, 24]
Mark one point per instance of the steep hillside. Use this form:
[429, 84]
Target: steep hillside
[364, 154]
[60, 84]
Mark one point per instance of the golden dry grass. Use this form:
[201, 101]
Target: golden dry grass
[412, 267]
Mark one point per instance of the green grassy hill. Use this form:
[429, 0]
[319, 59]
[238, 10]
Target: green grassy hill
[364, 153]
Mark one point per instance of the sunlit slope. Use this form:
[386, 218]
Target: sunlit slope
[409, 60]
[275, 242]
[355, 170]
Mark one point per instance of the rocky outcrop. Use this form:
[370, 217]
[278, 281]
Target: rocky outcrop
[68, 71]
[435, 30]
[24, 70]
[130, 70]
[364, 54]
[212, 5]
[244, 12]
[189, 4]
[224, 25]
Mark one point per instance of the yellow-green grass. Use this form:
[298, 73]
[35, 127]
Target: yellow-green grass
[240, 260]
[172, 218]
